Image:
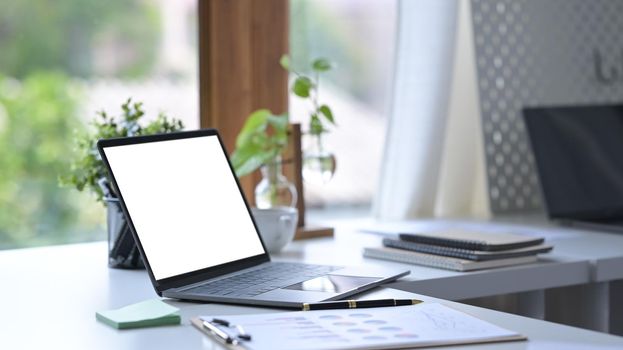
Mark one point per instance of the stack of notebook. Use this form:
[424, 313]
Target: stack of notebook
[460, 250]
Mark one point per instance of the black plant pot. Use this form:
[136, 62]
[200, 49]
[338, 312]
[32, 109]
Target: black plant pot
[122, 250]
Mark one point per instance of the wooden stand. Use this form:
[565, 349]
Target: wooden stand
[293, 170]
[306, 232]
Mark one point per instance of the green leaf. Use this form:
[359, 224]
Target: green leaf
[315, 125]
[278, 122]
[322, 65]
[252, 163]
[284, 61]
[302, 86]
[257, 122]
[249, 166]
[243, 154]
[326, 111]
[263, 136]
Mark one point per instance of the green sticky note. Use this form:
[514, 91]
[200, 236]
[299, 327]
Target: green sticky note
[148, 313]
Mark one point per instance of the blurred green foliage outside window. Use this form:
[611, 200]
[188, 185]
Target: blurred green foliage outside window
[47, 50]
[37, 116]
[77, 36]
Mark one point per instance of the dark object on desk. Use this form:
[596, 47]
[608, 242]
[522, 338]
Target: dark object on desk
[122, 250]
[192, 225]
[358, 304]
[579, 156]
[472, 240]
[476, 255]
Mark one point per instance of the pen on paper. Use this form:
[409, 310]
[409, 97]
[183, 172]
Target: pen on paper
[357, 304]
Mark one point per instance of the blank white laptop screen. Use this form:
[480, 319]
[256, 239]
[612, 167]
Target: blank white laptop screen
[184, 203]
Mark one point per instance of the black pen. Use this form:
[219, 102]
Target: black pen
[356, 304]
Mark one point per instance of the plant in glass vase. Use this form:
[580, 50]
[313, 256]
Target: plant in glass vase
[259, 144]
[318, 162]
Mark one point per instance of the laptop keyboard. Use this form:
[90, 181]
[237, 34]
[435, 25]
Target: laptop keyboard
[273, 276]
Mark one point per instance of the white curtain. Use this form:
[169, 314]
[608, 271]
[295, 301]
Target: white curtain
[433, 163]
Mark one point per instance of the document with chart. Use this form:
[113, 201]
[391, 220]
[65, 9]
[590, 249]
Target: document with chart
[425, 324]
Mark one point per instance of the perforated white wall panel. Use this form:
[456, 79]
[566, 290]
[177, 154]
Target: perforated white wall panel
[536, 53]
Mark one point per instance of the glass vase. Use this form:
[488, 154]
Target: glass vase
[318, 162]
[274, 190]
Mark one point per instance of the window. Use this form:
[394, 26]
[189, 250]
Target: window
[359, 36]
[60, 63]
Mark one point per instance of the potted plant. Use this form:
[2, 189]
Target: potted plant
[87, 172]
[264, 136]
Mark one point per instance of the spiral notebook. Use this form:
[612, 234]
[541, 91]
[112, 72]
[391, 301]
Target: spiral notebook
[443, 262]
[472, 240]
[468, 254]
[414, 326]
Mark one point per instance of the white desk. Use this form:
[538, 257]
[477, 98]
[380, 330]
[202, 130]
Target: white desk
[554, 270]
[49, 297]
[579, 283]
[527, 282]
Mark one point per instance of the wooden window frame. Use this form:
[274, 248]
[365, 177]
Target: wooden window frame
[240, 43]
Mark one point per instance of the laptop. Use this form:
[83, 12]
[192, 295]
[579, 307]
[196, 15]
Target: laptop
[196, 234]
[579, 157]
